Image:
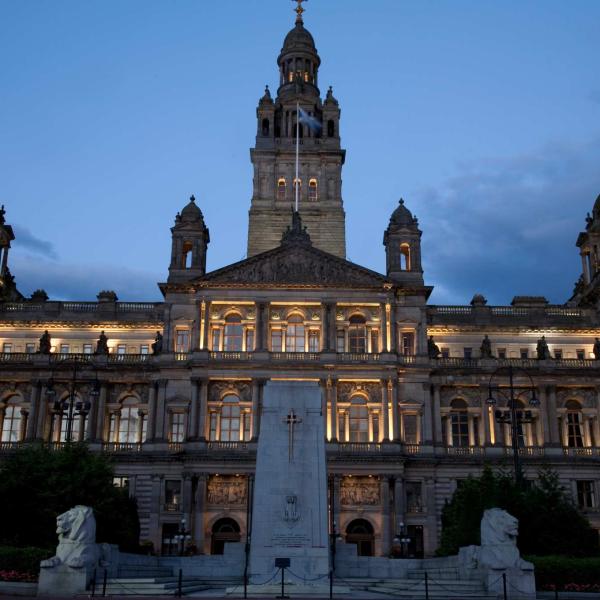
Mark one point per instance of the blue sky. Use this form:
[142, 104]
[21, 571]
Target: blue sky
[483, 115]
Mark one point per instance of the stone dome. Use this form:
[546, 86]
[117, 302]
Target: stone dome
[402, 217]
[191, 213]
[298, 39]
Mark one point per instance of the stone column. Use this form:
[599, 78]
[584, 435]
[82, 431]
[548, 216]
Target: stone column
[337, 502]
[40, 430]
[160, 424]
[386, 521]
[427, 433]
[150, 429]
[101, 418]
[193, 428]
[261, 325]
[399, 504]
[154, 513]
[552, 416]
[430, 537]
[385, 429]
[34, 404]
[384, 327]
[200, 506]
[168, 345]
[203, 409]
[334, 410]
[394, 393]
[255, 408]
[436, 402]
[393, 328]
[206, 332]
[196, 326]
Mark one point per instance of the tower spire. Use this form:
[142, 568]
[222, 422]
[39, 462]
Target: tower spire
[299, 10]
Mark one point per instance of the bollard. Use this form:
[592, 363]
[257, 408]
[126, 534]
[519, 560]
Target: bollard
[93, 583]
[179, 583]
[426, 586]
[104, 581]
[504, 585]
[246, 583]
[330, 584]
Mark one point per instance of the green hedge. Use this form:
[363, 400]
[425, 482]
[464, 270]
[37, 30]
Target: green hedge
[23, 560]
[562, 570]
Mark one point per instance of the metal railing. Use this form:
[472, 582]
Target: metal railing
[121, 447]
[228, 446]
[228, 355]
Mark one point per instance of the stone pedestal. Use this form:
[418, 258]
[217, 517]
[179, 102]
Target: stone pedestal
[289, 511]
[64, 581]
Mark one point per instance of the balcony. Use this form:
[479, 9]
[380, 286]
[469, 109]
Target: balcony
[295, 356]
[526, 451]
[121, 447]
[465, 450]
[586, 452]
[230, 355]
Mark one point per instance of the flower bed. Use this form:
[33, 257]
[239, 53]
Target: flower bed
[21, 564]
[567, 574]
[17, 576]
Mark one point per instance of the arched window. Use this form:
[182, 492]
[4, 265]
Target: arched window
[357, 334]
[294, 335]
[359, 422]
[265, 127]
[128, 424]
[230, 419]
[360, 532]
[232, 340]
[186, 257]
[459, 421]
[574, 424]
[224, 531]
[281, 188]
[312, 189]
[404, 257]
[330, 128]
[60, 422]
[297, 184]
[13, 423]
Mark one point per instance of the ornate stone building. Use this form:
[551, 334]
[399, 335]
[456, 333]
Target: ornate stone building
[404, 383]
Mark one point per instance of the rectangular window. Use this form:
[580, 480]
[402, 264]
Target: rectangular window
[87, 348]
[313, 341]
[121, 349]
[247, 421]
[213, 426]
[468, 352]
[375, 341]
[414, 498]
[30, 348]
[574, 430]
[7, 348]
[340, 341]
[121, 482]
[64, 348]
[276, 340]
[144, 349]
[460, 429]
[445, 352]
[558, 354]
[410, 429]
[524, 353]
[585, 494]
[501, 352]
[249, 340]
[408, 343]
[182, 340]
[177, 427]
[581, 354]
[342, 426]
[216, 340]
[375, 420]
[172, 495]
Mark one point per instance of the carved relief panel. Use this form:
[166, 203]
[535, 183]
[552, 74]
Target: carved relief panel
[360, 491]
[226, 490]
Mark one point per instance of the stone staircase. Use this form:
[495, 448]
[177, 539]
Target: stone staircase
[441, 584]
[140, 580]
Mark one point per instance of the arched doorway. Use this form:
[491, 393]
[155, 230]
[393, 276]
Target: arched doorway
[224, 530]
[360, 532]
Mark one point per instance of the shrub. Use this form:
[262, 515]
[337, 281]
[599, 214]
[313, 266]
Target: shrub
[566, 573]
[21, 564]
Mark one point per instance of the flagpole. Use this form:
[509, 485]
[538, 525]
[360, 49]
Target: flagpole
[297, 181]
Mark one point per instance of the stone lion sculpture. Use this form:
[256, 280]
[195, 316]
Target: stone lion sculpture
[499, 531]
[77, 546]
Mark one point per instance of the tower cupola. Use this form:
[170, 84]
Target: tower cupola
[190, 239]
[402, 241]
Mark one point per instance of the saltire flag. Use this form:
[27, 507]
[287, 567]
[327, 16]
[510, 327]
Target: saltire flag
[312, 122]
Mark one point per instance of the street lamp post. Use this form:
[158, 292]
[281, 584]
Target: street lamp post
[401, 540]
[67, 408]
[513, 417]
[183, 535]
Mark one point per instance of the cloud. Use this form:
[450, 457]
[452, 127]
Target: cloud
[510, 220]
[81, 282]
[24, 237]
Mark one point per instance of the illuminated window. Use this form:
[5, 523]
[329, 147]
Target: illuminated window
[408, 343]
[128, 425]
[64, 348]
[87, 348]
[230, 419]
[276, 340]
[586, 497]
[12, 424]
[359, 423]
[281, 186]
[459, 420]
[313, 341]
[574, 425]
[121, 482]
[357, 334]
[294, 335]
[182, 340]
[312, 189]
[7, 348]
[177, 432]
[298, 185]
[144, 349]
[216, 339]
[30, 348]
[340, 341]
[374, 340]
[121, 349]
[249, 340]
[232, 339]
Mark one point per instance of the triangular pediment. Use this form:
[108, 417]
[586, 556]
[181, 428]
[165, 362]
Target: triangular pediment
[296, 264]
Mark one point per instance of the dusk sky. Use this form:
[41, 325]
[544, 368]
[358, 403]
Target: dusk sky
[483, 115]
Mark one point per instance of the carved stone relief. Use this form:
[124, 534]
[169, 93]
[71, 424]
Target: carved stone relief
[359, 491]
[471, 394]
[218, 389]
[226, 490]
[347, 389]
[587, 396]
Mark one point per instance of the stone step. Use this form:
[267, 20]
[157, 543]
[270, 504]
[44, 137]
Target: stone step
[449, 573]
[140, 586]
[419, 594]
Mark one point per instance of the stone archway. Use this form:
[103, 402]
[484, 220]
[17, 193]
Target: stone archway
[223, 531]
[360, 532]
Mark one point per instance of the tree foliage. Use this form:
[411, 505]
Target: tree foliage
[549, 523]
[38, 484]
